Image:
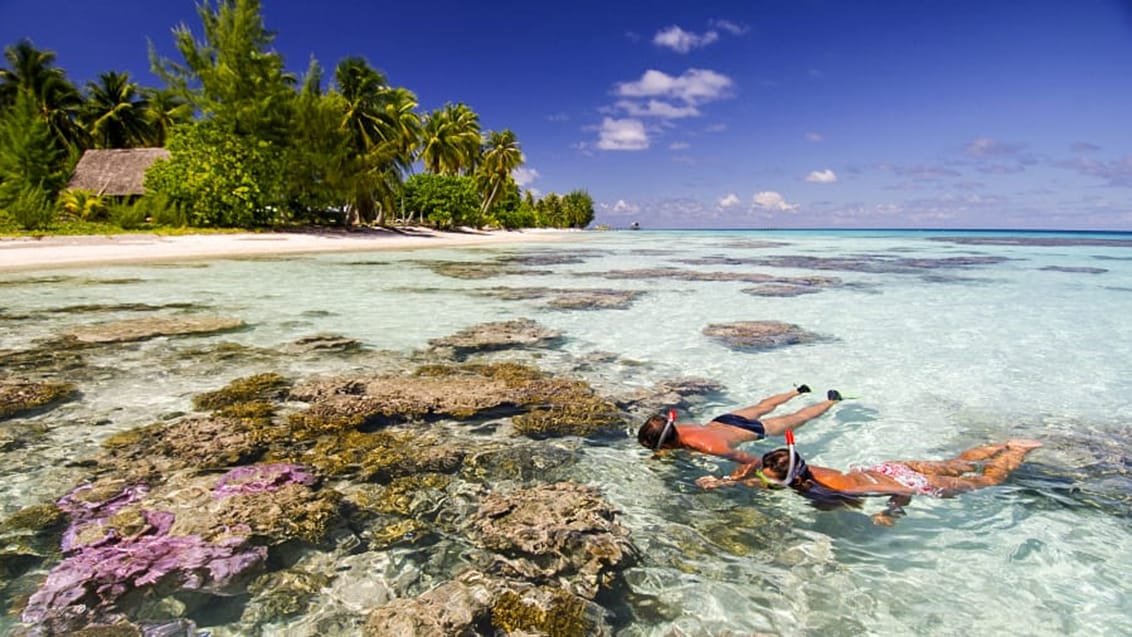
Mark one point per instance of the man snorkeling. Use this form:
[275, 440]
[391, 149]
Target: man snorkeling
[827, 488]
[723, 434]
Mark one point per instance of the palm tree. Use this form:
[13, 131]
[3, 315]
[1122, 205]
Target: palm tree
[501, 155]
[451, 140]
[56, 99]
[361, 86]
[115, 112]
[164, 110]
[401, 125]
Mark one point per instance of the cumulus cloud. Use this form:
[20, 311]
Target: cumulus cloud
[814, 137]
[657, 108]
[694, 86]
[771, 200]
[826, 176]
[683, 41]
[622, 134]
[729, 201]
[679, 146]
[622, 207]
[523, 175]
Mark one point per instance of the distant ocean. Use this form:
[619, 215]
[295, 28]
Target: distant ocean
[944, 339]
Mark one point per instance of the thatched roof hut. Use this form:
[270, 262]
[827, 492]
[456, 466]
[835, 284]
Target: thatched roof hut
[116, 172]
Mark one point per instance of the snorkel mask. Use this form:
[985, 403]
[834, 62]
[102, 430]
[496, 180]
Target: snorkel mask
[668, 426]
[795, 463]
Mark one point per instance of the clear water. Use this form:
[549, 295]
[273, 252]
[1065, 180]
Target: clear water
[938, 360]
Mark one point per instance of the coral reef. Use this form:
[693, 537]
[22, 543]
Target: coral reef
[21, 397]
[141, 329]
[758, 335]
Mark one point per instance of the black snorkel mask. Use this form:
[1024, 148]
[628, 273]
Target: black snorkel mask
[668, 426]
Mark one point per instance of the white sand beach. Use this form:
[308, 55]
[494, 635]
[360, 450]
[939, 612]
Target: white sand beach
[61, 252]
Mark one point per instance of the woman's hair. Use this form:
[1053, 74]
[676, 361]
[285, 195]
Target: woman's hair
[819, 495]
[649, 433]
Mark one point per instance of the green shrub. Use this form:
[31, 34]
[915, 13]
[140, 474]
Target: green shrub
[32, 208]
[128, 216]
[83, 205]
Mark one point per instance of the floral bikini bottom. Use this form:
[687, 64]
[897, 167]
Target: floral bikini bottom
[906, 476]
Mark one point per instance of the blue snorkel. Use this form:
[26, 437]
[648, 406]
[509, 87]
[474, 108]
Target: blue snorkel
[668, 426]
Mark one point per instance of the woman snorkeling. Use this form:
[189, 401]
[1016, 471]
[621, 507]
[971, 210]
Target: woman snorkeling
[827, 488]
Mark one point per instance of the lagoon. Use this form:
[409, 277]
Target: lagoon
[945, 340]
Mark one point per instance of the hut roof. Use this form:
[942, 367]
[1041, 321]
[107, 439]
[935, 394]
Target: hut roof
[115, 172]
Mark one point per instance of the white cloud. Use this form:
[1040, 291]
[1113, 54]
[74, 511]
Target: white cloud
[622, 134]
[814, 137]
[729, 201]
[683, 41]
[523, 175]
[826, 176]
[694, 86]
[987, 147]
[716, 128]
[622, 207]
[657, 108]
[771, 200]
[679, 146]
[728, 26]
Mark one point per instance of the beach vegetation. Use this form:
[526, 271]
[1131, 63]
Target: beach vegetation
[82, 204]
[254, 146]
[445, 201]
[114, 113]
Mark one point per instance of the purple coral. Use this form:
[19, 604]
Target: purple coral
[85, 514]
[262, 477]
[89, 585]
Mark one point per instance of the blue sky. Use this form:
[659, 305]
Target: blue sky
[756, 113]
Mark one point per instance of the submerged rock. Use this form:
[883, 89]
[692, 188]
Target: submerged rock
[29, 536]
[323, 343]
[547, 610]
[758, 335]
[454, 607]
[23, 397]
[678, 274]
[1074, 270]
[563, 532]
[487, 337]
[540, 405]
[141, 329]
[129, 546]
[871, 263]
[781, 290]
[568, 299]
[257, 388]
[672, 393]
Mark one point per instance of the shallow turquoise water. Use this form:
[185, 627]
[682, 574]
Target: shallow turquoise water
[939, 359]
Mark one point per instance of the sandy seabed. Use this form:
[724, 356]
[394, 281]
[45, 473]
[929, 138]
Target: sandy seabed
[61, 252]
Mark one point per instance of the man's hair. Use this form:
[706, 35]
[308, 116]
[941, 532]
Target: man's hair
[819, 495]
[649, 433]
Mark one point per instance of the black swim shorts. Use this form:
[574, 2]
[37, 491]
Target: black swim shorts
[735, 420]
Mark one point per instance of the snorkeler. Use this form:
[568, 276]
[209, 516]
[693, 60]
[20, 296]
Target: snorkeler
[723, 434]
[975, 468]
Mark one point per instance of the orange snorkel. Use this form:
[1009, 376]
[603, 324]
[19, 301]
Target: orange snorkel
[774, 482]
[793, 457]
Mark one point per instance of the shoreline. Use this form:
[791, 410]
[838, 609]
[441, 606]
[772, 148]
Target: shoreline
[55, 252]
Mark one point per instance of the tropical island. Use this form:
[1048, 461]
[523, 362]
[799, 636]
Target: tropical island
[234, 141]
